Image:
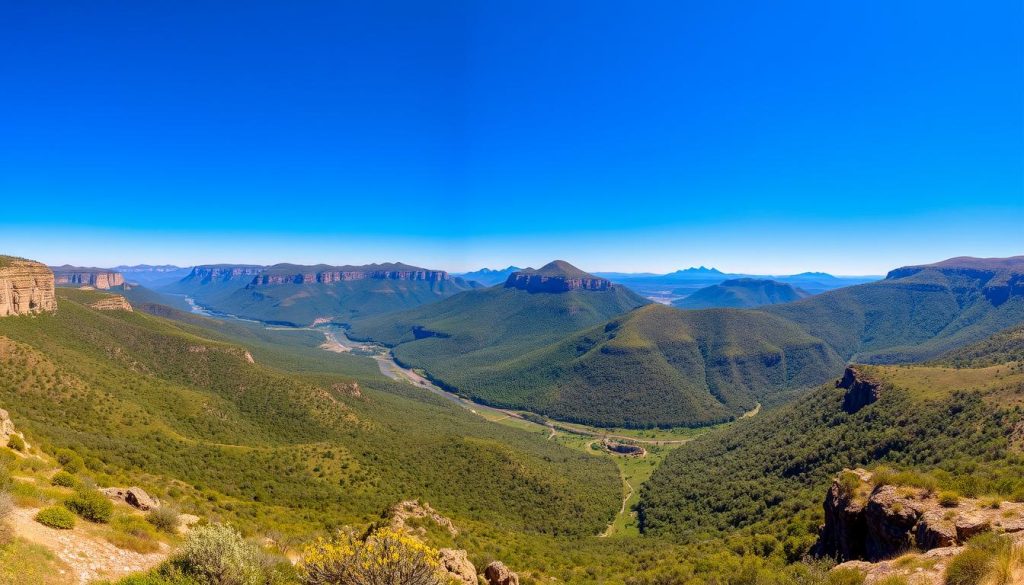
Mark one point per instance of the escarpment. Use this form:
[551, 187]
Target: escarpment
[1000, 279]
[219, 272]
[26, 287]
[861, 390]
[292, 274]
[555, 277]
[97, 278]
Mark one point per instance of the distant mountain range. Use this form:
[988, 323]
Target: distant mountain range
[489, 277]
[152, 276]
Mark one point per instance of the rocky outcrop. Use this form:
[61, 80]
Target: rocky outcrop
[26, 287]
[497, 573]
[861, 390]
[556, 277]
[112, 303]
[868, 522]
[457, 564]
[97, 278]
[7, 429]
[291, 274]
[133, 496]
[402, 512]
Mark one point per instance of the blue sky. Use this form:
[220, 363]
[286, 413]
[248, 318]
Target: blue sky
[762, 137]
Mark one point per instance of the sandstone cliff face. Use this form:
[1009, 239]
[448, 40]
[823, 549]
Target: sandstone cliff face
[867, 522]
[222, 272]
[26, 287]
[999, 278]
[330, 276]
[75, 276]
[861, 390]
[543, 283]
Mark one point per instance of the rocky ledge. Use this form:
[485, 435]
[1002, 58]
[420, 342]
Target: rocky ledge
[868, 522]
[97, 278]
[112, 303]
[26, 287]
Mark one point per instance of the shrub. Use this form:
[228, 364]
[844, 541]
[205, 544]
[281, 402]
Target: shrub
[91, 505]
[949, 499]
[968, 567]
[845, 577]
[56, 517]
[133, 533]
[16, 443]
[164, 518]
[69, 460]
[63, 479]
[217, 554]
[386, 556]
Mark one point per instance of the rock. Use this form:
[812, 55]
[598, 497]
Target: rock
[133, 496]
[860, 390]
[7, 429]
[556, 277]
[497, 573]
[26, 287]
[843, 535]
[112, 303]
[138, 498]
[401, 512]
[348, 389]
[934, 531]
[969, 525]
[890, 520]
[457, 564]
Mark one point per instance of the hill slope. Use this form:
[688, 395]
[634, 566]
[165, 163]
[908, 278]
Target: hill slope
[658, 366]
[766, 475]
[917, 312]
[741, 293]
[145, 399]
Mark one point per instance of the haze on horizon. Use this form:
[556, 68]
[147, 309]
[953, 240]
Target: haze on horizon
[780, 139]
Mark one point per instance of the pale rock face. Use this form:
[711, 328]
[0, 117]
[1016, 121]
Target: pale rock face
[95, 279]
[497, 573]
[26, 288]
[458, 565]
[112, 303]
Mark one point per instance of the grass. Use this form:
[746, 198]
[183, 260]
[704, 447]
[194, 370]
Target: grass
[24, 563]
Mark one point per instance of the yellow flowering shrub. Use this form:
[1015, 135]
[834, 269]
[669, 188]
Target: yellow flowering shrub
[386, 557]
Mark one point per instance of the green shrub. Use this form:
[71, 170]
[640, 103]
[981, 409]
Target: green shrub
[91, 505]
[845, 577]
[386, 556]
[63, 479]
[969, 567]
[133, 533]
[56, 517]
[71, 462]
[164, 518]
[16, 443]
[218, 555]
[949, 499]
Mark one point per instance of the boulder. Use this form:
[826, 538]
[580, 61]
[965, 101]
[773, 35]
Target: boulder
[497, 573]
[458, 565]
[138, 498]
[968, 525]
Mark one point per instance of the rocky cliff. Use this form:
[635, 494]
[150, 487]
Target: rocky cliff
[220, 272]
[26, 287]
[294, 274]
[98, 278]
[864, 521]
[861, 390]
[555, 277]
[112, 303]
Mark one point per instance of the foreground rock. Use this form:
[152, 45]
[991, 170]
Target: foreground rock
[458, 565]
[866, 522]
[26, 287]
[497, 573]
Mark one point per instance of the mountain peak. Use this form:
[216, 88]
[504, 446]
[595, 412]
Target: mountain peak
[556, 276]
[699, 270]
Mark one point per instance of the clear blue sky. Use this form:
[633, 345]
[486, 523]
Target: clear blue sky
[764, 137]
